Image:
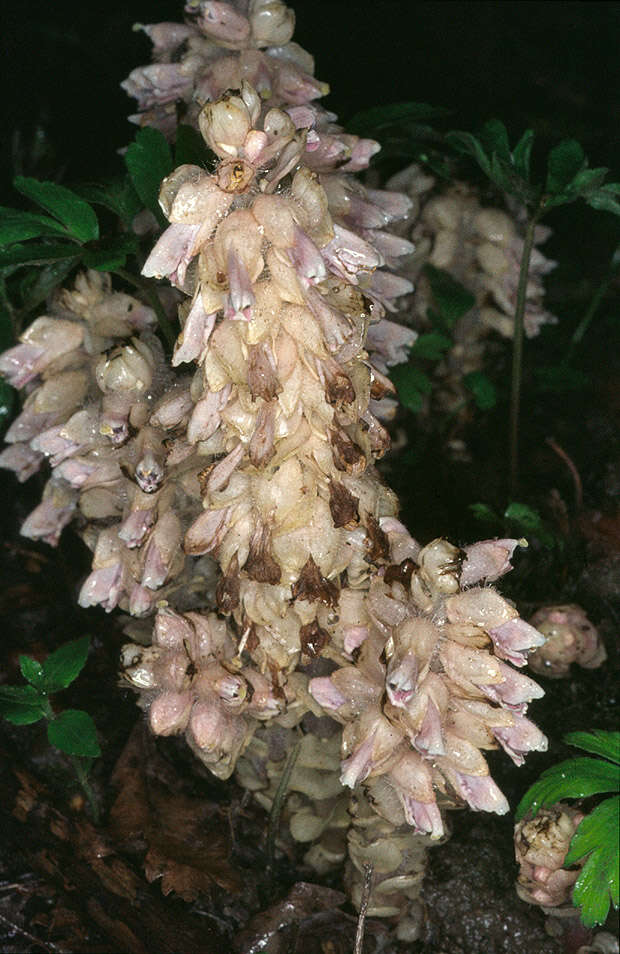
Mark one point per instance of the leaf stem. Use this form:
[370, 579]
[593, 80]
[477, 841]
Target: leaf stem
[82, 777]
[597, 298]
[146, 287]
[517, 351]
[278, 803]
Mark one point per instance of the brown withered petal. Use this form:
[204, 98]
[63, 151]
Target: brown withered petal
[313, 639]
[348, 457]
[343, 506]
[376, 541]
[380, 385]
[260, 564]
[262, 378]
[227, 589]
[339, 390]
[312, 586]
[400, 572]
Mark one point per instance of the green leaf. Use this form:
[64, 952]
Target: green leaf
[148, 161]
[494, 138]
[31, 669]
[38, 254]
[603, 199]
[575, 778]
[116, 195]
[17, 226]
[41, 281]
[522, 152]
[372, 120]
[598, 883]
[63, 665]
[483, 512]
[74, 732]
[564, 162]
[452, 299]
[482, 389]
[20, 704]
[411, 384]
[598, 742]
[468, 145]
[191, 149]
[431, 346]
[111, 253]
[529, 520]
[74, 213]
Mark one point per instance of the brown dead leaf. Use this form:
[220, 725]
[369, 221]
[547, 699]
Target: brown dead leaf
[187, 847]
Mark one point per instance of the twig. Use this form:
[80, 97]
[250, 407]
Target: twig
[361, 921]
[572, 468]
[48, 945]
[278, 803]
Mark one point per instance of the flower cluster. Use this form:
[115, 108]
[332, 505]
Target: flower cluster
[104, 409]
[541, 844]
[570, 638]
[261, 458]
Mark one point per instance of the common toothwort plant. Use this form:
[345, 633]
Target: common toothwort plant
[233, 493]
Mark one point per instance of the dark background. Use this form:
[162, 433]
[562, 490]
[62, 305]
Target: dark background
[552, 66]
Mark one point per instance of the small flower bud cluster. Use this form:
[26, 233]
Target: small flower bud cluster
[541, 845]
[570, 638]
[104, 411]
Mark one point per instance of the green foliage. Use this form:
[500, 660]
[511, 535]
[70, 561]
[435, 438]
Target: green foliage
[149, 160]
[518, 519]
[482, 388]
[451, 299]
[568, 177]
[404, 132]
[72, 212]
[71, 731]
[596, 835]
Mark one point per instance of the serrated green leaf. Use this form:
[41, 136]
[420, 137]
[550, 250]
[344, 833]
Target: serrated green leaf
[482, 511]
[411, 384]
[74, 213]
[110, 254]
[20, 704]
[588, 180]
[564, 162]
[17, 226]
[31, 670]
[468, 145]
[38, 254]
[149, 160]
[43, 281]
[574, 778]
[63, 665]
[506, 178]
[522, 152]
[19, 714]
[494, 138]
[431, 346]
[482, 389]
[116, 195]
[598, 883]
[529, 520]
[598, 742]
[372, 120]
[451, 298]
[74, 732]
[191, 149]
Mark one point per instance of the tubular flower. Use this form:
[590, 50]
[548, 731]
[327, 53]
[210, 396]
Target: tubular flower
[481, 247]
[570, 638]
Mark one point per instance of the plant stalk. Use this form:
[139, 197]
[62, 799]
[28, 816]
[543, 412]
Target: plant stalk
[517, 352]
[278, 803]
